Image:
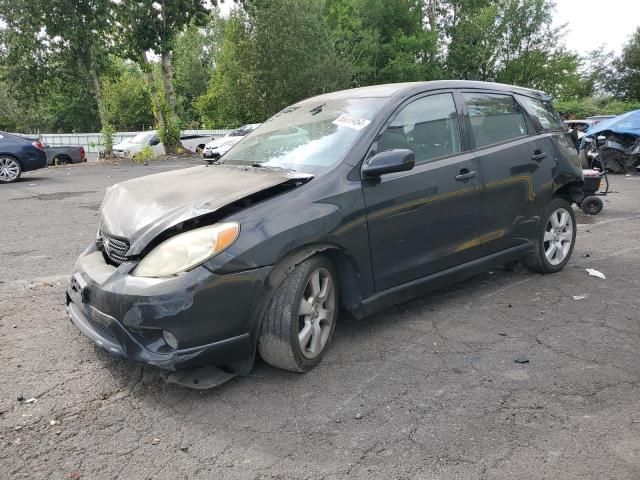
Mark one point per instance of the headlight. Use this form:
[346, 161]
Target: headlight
[186, 250]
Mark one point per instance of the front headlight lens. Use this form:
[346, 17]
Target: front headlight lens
[187, 250]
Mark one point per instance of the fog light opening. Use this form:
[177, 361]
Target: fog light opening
[170, 338]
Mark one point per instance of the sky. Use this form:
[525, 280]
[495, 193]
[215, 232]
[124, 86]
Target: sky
[591, 23]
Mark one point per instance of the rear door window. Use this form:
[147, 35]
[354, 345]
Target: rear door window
[544, 111]
[495, 118]
[428, 126]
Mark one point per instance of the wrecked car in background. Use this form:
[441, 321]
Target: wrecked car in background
[613, 144]
[358, 199]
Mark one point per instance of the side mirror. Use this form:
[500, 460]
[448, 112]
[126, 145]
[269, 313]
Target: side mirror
[389, 161]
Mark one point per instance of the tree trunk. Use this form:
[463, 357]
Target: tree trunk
[169, 96]
[158, 113]
[97, 91]
[167, 82]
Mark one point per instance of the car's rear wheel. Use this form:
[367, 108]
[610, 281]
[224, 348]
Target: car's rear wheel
[10, 169]
[555, 238]
[299, 322]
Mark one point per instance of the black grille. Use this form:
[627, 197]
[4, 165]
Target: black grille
[115, 248]
[101, 327]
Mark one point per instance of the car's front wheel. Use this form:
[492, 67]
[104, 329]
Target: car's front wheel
[299, 322]
[10, 169]
[555, 238]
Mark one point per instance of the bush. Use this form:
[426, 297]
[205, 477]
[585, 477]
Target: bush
[587, 107]
[106, 139]
[144, 155]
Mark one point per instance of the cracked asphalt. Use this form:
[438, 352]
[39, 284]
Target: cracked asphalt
[428, 389]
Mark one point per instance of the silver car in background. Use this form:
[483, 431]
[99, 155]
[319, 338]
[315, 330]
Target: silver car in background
[216, 148]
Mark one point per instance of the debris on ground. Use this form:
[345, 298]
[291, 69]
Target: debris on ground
[155, 441]
[31, 400]
[521, 360]
[580, 297]
[54, 422]
[358, 416]
[595, 273]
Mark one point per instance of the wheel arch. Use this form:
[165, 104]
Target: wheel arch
[349, 275]
[571, 192]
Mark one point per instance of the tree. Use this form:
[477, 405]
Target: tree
[193, 62]
[126, 98]
[384, 40]
[627, 85]
[56, 41]
[274, 53]
[153, 26]
[473, 35]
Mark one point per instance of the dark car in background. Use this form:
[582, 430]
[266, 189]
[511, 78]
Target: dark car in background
[18, 155]
[353, 200]
[65, 154]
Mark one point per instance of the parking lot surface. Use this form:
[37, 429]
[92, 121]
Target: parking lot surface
[428, 389]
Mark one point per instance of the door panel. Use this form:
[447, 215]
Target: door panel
[425, 220]
[504, 151]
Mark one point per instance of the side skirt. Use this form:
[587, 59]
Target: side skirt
[436, 281]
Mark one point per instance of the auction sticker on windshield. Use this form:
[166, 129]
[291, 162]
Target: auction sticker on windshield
[351, 121]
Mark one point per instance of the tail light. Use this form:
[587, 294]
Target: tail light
[38, 144]
[82, 152]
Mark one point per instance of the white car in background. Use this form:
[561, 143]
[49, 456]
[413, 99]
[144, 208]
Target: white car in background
[130, 146]
[216, 148]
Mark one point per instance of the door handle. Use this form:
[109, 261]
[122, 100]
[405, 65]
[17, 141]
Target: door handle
[538, 156]
[465, 175]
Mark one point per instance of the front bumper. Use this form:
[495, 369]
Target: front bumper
[210, 154]
[210, 315]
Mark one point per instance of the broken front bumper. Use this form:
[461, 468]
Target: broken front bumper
[210, 315]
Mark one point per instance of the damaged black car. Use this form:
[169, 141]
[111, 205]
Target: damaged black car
[354, 200]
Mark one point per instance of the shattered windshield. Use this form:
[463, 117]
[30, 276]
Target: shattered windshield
[308, 137]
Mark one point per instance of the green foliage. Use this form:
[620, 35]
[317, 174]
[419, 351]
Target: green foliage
[106, 138]
[627, 83]
[193, 64]
[169, 132]
[144, 155]
[126, 98]
[232, 89]
[383, 40]
[586, 107]
[272, 55]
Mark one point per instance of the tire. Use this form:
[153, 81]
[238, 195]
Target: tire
[559, 233]
[10, 169]
[59, 161]
[592, 205]
[297, 341]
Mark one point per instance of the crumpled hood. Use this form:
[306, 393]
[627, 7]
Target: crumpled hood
[142, 208]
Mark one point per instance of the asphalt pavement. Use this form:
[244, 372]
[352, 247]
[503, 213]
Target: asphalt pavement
[508, 375]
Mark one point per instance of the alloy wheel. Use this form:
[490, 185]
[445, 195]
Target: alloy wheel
[315, 313]
[558, 236]
[9, 169]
